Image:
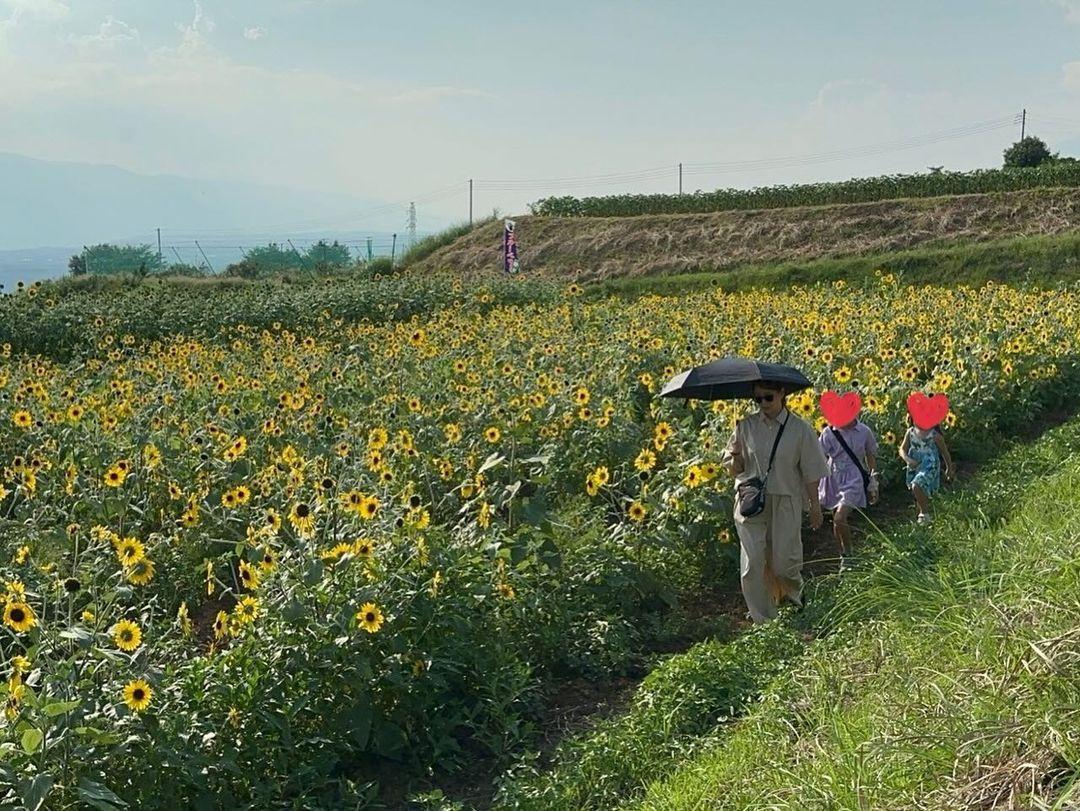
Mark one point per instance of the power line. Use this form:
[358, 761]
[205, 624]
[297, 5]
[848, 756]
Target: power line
[658, 173]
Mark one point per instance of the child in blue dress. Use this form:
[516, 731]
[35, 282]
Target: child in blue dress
[923, 451]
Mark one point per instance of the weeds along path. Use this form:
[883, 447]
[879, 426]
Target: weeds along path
[948, 686]
[803, 683]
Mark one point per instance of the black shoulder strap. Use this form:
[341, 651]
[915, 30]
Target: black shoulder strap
[854, 458]
[776, 442]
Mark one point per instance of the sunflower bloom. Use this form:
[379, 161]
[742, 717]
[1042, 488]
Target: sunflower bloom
[137, 695]
[127, 635]
[370, 618]
[19, 616]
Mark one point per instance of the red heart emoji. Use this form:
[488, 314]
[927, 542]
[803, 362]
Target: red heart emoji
[839, 409]
[927, 412]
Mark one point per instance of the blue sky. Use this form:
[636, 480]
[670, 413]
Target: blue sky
[400, 100]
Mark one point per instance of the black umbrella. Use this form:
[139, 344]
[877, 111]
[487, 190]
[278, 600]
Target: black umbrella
[732, 379]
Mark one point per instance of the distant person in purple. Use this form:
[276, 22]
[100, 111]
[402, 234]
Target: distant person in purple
[852, 481]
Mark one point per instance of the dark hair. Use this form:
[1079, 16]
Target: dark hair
[771, 385]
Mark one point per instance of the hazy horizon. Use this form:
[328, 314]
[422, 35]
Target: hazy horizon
[382, 104]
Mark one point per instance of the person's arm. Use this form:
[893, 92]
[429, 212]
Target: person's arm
[944, 449]
[813, 466]
[904, 452]
[816, 519]
[733, 455]
[871, 463]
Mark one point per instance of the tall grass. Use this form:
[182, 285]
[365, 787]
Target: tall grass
[1035, 260]
[429, 244]
[951, 682]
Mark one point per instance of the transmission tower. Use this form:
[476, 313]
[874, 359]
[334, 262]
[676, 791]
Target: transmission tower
[412, 224]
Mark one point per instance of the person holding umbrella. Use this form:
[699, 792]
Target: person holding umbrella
[777, 462]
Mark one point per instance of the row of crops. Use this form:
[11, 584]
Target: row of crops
[314, 556]
[856, 190]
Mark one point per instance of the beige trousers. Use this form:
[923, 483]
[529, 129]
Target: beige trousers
[772, 555]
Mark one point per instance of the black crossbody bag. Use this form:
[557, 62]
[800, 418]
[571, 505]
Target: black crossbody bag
[858, 464]
[752, 491]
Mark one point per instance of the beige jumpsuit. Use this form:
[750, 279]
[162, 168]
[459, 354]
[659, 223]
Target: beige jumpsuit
[771, 542]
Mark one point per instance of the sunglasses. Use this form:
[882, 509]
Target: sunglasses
[764, 398]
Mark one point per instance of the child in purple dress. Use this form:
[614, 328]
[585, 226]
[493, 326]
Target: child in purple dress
[852, 479]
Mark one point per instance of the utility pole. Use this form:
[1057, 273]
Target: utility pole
[393, 250]
[370, 255]
[680, 179]
[412, 224]
[159, 247]
[179, 258]
[197, 245]
[470, 201]
[1023, 122]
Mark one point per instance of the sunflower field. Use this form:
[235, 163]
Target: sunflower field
[300, 543]
[856, 190]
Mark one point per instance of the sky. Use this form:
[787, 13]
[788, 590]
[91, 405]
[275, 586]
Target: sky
[406, 100]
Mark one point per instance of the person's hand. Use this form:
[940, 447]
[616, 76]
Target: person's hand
[873, 492]
[950, 472]
[912, 464]
[816, 519]
[736, 450]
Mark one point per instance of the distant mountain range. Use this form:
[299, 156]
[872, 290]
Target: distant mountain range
[49, 209]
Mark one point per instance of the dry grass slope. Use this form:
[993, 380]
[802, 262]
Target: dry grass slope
[594, 248]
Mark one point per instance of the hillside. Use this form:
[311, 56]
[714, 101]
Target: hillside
[61, 204]
[594, 248]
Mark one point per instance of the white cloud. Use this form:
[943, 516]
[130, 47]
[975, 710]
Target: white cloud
[1072, 9]
[42, 9]
[255, 32]
[436, 92]
[1071, 75]
[111, 34]
[193, 35]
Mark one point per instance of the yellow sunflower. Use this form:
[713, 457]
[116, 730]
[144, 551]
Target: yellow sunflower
[127, 635]
[137, 695]
[19, 616]
[370, 617]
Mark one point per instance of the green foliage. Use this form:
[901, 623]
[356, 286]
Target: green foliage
[686, 696]
[108, 259]
[273, 259]
[955, 669]
[1026, 153]
[1036, 260]
[428, 245]
[57, 319]
[856, 190]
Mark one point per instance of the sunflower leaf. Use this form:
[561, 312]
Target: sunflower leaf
[31, 740]
[98, 796]
[60, 707]
[492, 461]
[35, 791]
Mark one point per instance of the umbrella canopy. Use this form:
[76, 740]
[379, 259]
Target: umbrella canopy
[732, 379]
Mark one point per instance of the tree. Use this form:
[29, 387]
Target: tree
[1030, 151]
[105, 259]
[77, 265]
[325, 254]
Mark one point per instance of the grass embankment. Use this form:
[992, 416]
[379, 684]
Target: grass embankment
[591, 249]
[429, 244]
[1044, 261]
[944, 667]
